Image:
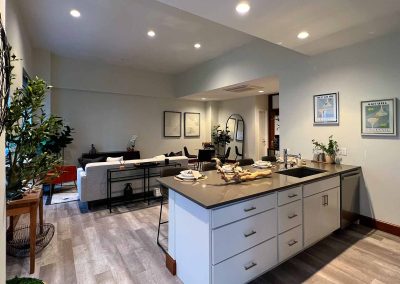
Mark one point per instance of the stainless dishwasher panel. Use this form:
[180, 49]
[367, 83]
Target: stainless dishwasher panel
[350, 198]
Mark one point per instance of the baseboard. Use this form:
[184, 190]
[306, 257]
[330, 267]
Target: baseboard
[170, 263]
[380, 225]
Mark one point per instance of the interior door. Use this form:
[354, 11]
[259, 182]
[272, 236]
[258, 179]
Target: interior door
[263, 139]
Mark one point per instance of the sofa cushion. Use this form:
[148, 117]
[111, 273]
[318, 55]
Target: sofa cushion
[116, 159]
[84, 161]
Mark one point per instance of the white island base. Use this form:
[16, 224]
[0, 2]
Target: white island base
[238, 242]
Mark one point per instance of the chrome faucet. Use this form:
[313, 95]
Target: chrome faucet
[286, 155]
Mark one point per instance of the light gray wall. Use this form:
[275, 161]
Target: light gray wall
[366, 71]
[106, 105]
[19, 41]
[256, 59]
[370, 70]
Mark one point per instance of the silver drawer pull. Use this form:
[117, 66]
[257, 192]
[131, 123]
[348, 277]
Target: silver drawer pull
[292, 195]
[292, 216]
[249, 234]
[292, 243]
[252, 264]
[249, 209]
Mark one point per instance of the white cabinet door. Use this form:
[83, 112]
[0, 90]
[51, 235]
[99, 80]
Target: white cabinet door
[321, 215]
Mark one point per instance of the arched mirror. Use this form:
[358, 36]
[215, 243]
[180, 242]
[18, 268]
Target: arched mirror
[235, 149]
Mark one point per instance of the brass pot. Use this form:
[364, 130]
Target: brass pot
[329, 159]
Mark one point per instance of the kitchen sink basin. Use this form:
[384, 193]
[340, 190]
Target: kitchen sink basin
[301, 172]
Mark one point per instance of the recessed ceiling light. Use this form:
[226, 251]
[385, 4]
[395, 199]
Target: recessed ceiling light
[203, 99]
[279, 43]
[261, 91]
[197, 45]
[151, 33]
[243, 8]
[75, 13]
[303, 35]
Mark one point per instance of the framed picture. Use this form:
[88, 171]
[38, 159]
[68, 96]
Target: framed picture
[172, 123]
[231, 125]
[378, 117]
[326, 109]
[192, 124]
[239, 130]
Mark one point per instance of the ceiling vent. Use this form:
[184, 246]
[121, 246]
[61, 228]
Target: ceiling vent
[242, 88]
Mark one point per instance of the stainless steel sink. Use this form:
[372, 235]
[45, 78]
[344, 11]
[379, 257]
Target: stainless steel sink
[301, 172]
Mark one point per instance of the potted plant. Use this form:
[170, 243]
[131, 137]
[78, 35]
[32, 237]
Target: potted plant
[27, 129]
[329, 150]
[220, 138]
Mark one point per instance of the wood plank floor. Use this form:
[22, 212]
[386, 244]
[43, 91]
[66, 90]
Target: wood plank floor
[98, 247]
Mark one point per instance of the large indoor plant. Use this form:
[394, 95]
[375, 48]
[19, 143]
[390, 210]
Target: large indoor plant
[27, 130]
[220, 138]
[330, 150]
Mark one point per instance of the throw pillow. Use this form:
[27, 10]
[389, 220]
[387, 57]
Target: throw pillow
[178, 153]
[84, 161]
[116, 159]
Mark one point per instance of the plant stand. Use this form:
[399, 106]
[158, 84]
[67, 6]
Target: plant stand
[29, 204]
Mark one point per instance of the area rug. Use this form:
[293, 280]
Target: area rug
[64, 197]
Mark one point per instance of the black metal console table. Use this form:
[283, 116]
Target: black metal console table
[138, 171]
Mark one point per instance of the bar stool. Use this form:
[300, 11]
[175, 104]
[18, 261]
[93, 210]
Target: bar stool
[165, 172]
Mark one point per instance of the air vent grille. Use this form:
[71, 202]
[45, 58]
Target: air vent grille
[242, 88]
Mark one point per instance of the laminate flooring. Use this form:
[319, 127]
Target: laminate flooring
[99, 247]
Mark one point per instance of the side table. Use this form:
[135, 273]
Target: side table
[28, 204]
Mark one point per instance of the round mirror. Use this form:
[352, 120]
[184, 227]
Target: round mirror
[235, 149]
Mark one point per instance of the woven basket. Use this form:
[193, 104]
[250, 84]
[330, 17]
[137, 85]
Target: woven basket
[18, 244]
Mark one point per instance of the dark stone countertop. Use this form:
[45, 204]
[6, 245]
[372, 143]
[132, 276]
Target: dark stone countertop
[213, 191]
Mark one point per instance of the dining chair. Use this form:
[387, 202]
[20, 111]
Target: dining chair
[227, 153]
[245, 162]
[165, 172]
[209, 167]
[268, 158]
[237, 153]
[205, 155]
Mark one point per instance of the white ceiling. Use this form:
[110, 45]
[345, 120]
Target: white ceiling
[331, 23]
[269, 85]
[115, 31]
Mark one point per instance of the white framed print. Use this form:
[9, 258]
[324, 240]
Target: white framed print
[326, 109]
[379, 117]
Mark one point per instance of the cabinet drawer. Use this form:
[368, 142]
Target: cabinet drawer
[247, 265]
[289, 195]
[231, 213]
[319, 186]
[241, 235]
[290, 243]
[290, 216]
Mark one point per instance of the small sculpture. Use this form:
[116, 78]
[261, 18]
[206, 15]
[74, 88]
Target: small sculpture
[238, 174]
[131, 144]
[92, 150]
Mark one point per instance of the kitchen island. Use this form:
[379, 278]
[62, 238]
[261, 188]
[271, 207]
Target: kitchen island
[232, 233]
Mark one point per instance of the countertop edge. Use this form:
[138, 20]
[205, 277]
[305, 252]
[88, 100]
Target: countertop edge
[260, 193]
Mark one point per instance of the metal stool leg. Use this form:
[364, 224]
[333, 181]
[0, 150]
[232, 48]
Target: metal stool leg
[159, 225]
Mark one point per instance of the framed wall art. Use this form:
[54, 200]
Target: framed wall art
[326, 109]
[378, 117]
[172, 124]
[192, 124]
